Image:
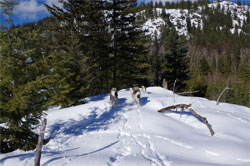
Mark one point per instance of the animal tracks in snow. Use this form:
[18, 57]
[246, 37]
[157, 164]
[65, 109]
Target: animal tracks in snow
[131, 142]
[148, 150]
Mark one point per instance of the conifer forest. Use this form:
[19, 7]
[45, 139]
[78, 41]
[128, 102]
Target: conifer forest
[87, 47]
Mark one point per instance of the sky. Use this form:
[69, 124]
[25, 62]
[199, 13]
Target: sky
[34, 10]
[28, 11]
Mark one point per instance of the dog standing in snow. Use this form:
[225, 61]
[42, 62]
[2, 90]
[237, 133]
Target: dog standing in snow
[113, 96]
[136, 94]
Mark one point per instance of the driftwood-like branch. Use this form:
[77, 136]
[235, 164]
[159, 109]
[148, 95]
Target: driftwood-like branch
[182, 106]
[40, 143]
[187, 106]
[203, 119]
[218, 100]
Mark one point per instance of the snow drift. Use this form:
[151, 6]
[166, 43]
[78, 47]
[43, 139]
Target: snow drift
[94, 134]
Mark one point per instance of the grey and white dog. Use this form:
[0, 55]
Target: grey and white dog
[136, 94]
[113, 96]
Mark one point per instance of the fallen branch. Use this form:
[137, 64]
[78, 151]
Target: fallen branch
[203, 119]
[187, 106]
[182, 106]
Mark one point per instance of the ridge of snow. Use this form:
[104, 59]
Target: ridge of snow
[95, 134]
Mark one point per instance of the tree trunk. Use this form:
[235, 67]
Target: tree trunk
[114, 46]
[40, 143]
[173, 89]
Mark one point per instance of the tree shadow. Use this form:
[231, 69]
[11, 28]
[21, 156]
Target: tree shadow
[30, 155]
[92, 122]
[188, 114]
[94, 98]
[80, 155]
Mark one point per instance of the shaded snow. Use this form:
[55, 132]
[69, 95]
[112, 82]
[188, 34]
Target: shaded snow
[94, 134]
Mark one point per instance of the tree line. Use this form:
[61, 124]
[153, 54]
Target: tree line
[88, 47]
[84, 49]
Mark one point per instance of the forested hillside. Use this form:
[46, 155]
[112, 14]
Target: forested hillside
[218, 44]
[88, 47]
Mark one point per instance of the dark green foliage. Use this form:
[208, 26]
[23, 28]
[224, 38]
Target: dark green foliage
[23, 85]
[12, 139]
[204, 66]
[176, 65]
[84, 50]
[201, 87]
[109, 46]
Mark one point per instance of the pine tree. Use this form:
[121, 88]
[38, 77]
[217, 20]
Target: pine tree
[87, 51]
[156, 65]
[21, 98]
[176, 65]
[128, 48]
[23, 88]
[204, 66]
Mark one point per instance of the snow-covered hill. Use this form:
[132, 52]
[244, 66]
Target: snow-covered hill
[94, 134]
[178, 17]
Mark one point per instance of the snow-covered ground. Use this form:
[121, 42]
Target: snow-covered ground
[94, 134]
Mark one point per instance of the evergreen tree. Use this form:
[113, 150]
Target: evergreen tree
[128, 45]
[204, 66]
[109, 44]
[176, 65]
[87, 51]
[156, 60]
[23, 88]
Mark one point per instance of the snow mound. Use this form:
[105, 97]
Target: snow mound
[94, 134]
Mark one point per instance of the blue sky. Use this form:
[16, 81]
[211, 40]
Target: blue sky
[34, 10]
[29, 11]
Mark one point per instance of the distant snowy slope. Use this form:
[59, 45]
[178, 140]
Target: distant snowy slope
[94, 134]
[163, 1]
[178, 17]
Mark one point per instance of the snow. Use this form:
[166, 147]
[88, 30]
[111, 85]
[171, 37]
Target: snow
[94, 134]
[178, 18]
[153, 26]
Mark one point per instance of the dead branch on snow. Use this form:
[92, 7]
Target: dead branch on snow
[187, 106]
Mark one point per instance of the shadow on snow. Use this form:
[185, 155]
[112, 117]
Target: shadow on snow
[92, 122]
[80, 155]
[188, 114]
[77, 127]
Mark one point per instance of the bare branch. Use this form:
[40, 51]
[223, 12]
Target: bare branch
[203, 119]
[187, 106]
[218, 100]
[182, 106]
[173, 89]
